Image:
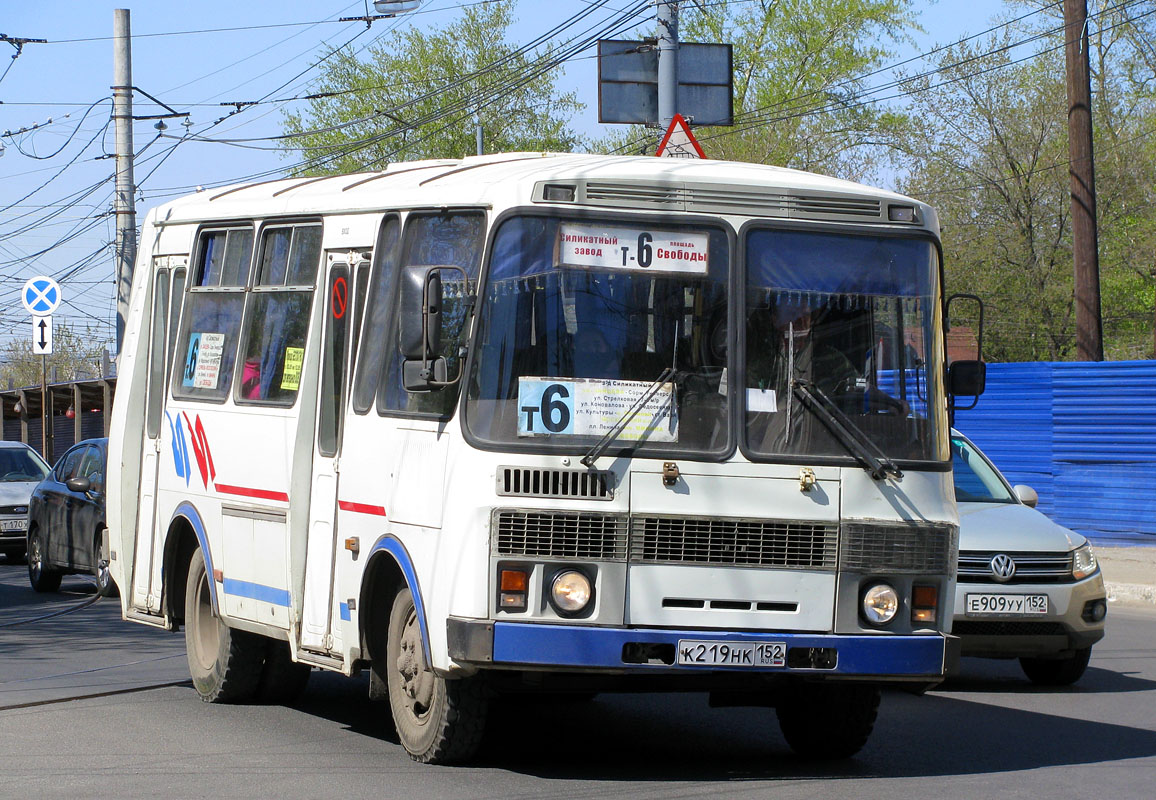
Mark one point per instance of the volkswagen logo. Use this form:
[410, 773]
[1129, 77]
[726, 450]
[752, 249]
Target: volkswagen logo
[1002, 567]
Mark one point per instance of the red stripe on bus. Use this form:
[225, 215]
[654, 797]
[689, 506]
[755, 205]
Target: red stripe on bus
[244, 491]
[361, 508]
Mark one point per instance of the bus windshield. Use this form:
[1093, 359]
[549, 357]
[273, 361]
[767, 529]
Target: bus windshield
[842, 331]
[578, 321]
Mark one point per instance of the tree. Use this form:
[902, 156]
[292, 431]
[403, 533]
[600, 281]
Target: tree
[415, 96]
[989, 150]
[799, 76]
[75, 355]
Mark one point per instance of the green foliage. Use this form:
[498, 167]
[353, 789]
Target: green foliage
[415, 95]
[798, 72]
[75, 354]
[989, 149]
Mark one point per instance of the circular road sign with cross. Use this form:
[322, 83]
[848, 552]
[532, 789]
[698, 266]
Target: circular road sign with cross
[41, 296]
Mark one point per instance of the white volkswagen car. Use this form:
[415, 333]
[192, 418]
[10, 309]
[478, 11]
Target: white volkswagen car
[1027, 587]
[21, 468]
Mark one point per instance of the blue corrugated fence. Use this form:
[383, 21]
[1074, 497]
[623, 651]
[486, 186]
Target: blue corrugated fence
[1083, 435]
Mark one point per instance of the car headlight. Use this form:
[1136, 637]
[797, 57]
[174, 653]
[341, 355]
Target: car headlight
[880, 604]
[1083, 562]
[571, 591]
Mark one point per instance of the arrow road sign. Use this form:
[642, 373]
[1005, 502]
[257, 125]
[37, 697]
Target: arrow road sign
[42, 336]
[41, 296]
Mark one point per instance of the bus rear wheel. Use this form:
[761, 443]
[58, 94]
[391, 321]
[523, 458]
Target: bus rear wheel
[828, 721]
[438, 721]
[225, 664]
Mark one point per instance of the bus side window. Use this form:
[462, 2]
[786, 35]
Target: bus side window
[206, 349]
[372, 347]
[453, 238]
[277, 315]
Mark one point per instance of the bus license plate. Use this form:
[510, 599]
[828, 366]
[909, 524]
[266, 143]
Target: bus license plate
[14, 525]
[1013, 605]
[694, 652]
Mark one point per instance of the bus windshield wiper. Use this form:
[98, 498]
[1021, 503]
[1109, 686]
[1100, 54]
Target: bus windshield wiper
[847, 432]
[620, 424]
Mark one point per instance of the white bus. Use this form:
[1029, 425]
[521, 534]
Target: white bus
[534, 422]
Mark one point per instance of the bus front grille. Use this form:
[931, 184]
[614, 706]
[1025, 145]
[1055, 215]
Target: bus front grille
[912, 548]
[737, 542]
[555, 534]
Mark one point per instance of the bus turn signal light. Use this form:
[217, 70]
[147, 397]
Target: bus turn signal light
[513, 583]
[924, 604]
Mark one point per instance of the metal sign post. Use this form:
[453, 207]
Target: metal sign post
[41, 296]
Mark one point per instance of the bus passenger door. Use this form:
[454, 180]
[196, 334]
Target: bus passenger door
[317, 627]
[168, 290]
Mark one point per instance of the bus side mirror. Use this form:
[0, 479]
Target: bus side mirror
[966, 378]
[420, 328]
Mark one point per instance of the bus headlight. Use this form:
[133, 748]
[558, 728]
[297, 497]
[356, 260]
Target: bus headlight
[880, 604]
[1083, 562]
[570, 592]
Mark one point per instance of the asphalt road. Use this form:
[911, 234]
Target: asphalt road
[139, 730]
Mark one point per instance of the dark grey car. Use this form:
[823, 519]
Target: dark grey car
[66, 520]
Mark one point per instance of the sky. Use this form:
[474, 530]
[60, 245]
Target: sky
[52, 98]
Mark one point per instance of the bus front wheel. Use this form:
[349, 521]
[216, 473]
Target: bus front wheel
[828, 721]
[438, 721]
[225, 664]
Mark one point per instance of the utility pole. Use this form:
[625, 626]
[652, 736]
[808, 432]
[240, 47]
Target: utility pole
[478, 132]
[1082, 171]
[667, 61]
[125, 186]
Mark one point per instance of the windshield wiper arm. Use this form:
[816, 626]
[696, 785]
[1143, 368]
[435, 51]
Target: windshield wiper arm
[620, 424]
[847, 432]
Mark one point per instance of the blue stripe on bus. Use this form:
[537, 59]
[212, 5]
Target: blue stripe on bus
[257, 591]
[399, 553]
[581, 646]
[189, 513]
[344, 609]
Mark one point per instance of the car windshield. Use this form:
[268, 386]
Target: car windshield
[976, 478]
[20, 465]
[578, 321]
[849, 324]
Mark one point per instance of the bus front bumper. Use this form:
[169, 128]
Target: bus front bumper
[577, 647]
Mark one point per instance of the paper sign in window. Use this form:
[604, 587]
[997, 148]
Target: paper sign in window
[203, 360]
[291, 374]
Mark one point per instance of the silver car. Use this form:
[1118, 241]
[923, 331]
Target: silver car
[1027, 587]
[21, 468]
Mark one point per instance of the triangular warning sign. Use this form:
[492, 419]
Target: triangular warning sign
[679, 142]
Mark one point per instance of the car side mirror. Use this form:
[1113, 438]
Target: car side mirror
[1026, 494]
[420, 328]
[80, 485]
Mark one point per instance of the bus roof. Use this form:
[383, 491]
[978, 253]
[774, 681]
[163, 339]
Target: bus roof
[510, 179]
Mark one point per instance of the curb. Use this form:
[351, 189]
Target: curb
[1131, 593]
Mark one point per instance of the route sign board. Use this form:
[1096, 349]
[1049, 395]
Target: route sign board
[41, 296]
[42, 336]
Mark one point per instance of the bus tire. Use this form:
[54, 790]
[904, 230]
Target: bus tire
[282, 679]
[828, 721]
[225, 664]
[438, 721]
[42, 577]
